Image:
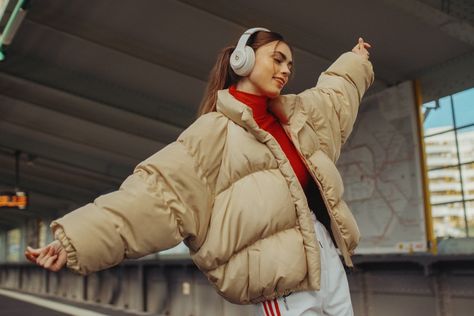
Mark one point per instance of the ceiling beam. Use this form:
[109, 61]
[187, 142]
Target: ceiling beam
[452, 26]
[52, 170]
[76, 130]
[49, 56]
[55, 148]
[49, 187]
[242, 17]
[86, 109]
[91, 87]
[45, 202]
[183, 64]
[134, 49]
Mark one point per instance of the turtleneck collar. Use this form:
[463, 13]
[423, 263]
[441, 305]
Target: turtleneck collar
[258, 103]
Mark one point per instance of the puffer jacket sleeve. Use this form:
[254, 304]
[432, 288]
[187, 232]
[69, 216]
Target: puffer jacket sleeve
[334, 102]
[155, 208]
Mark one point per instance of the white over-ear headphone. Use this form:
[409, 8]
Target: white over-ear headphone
[242, 58]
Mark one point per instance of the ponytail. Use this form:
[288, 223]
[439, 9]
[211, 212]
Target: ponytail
[222, 77]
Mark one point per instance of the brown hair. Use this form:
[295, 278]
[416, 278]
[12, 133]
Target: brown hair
[222, 76]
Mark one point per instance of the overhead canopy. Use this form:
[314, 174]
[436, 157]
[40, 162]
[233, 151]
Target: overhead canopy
[90, 88]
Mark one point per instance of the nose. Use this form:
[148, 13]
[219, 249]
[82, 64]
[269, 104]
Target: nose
[285, 70]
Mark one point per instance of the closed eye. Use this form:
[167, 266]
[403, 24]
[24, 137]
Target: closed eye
[279, 57]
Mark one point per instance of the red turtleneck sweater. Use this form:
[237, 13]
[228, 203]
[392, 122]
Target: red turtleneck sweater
[267, 121]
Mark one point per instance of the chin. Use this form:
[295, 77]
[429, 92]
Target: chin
[273, 93]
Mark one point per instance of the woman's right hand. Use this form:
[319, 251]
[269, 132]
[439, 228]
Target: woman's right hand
[51, 257]
[361, 48]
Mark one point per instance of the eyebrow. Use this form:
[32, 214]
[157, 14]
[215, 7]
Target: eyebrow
[284, 57]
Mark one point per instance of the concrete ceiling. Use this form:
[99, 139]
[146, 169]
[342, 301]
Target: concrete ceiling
[89, 89]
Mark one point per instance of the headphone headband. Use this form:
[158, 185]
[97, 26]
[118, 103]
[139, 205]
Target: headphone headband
[246, 35]
[242, 58]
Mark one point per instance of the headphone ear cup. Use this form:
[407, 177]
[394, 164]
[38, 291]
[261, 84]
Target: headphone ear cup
[249, 62]
[242, 59]
[237, 60]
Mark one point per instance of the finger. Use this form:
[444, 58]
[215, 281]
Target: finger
[58, 264]
[43, 254]
[43, 260]
[30, 254]
[48, 263]
[30, 257]
[48, 256]
[35, 251]
[361, 42]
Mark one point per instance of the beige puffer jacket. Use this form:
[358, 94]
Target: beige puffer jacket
[226, 188]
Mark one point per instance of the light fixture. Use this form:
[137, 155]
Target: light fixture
[15, 198]
[12, 23]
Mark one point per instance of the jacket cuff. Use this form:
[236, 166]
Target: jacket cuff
[354, 68]
[71, 254]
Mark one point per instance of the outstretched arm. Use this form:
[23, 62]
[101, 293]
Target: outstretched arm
[154, 209]
[167, 199]
[334, 102]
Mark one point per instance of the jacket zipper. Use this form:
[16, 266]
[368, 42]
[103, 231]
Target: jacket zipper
[286, 304]
[284, 300]
[340, 239]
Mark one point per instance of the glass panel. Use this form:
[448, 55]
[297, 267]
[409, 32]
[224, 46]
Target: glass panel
[13, 245]
[466, 144]
[3, 244]
[441, 150]
[464, 107]
[438, 117]
[448, 220]
[445, 185]
[470, 217]
[467, 172]
[42, 233]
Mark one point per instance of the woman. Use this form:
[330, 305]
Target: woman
[251, 187]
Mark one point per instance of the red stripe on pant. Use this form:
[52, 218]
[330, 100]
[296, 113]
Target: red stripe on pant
[268, 308]
[277, 308]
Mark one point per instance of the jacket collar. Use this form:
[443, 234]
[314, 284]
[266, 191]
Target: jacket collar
[283, 107]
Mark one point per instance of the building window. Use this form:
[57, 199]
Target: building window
[449, 144]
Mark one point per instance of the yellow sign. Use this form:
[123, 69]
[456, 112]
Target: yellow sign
[14, 199]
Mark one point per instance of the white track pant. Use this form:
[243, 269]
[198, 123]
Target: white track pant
[333, 299]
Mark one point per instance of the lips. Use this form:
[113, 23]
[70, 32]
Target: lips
[280, 80]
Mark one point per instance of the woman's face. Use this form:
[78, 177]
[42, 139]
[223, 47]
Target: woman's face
[273, 63]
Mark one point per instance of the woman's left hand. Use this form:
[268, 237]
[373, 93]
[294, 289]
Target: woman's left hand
[52, 257]
[361, 48]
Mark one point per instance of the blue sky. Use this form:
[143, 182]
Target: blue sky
[463, 111]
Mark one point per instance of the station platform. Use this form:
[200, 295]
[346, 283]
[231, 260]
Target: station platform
[15, 303]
